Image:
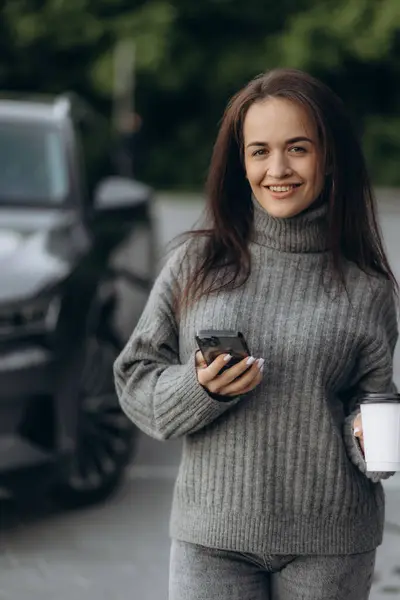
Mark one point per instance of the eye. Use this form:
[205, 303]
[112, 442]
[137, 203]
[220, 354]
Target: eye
[259, 152]
[297, 150]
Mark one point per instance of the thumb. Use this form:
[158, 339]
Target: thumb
[200, 362]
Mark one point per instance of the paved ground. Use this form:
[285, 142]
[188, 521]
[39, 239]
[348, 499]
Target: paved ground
[119, 551]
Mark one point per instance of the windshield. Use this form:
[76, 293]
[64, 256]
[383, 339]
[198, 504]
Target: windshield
[33, 167]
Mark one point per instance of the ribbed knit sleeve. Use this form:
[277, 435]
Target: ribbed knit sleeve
[374, 372]
[160, 395]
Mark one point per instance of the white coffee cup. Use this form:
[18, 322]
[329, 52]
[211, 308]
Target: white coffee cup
[381, 428]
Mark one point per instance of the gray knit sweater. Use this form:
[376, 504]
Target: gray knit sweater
[278, 469]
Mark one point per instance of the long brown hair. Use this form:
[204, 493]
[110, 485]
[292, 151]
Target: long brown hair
[353, 228]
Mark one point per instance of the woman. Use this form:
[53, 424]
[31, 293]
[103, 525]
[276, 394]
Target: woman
[272, 499]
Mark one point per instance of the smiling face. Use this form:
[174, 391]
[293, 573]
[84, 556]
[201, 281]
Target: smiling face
[282, 157]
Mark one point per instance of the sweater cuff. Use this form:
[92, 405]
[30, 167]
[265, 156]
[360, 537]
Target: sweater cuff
[356, 454]
[195, 408]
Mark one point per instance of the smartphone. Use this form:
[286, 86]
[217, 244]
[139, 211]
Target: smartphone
[212, 343]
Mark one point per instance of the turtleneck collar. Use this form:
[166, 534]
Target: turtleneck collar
[306, 232]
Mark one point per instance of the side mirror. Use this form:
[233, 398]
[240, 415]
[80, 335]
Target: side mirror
[119, 194]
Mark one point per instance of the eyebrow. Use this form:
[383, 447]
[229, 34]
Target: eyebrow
[290, 141]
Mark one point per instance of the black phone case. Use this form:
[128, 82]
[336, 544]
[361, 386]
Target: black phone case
[212, 343]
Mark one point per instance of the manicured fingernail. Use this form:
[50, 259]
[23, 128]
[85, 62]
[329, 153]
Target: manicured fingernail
[227, 357]
[261, 368]
[357, 430]
[260, 362]
[250, 360]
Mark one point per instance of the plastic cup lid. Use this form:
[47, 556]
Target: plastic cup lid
[375, 397]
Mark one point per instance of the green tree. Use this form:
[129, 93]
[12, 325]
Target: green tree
[192, 56]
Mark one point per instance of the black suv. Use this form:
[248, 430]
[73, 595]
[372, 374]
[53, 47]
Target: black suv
[76, 241]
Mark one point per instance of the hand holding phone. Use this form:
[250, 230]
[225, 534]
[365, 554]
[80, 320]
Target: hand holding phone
[212, 343]
[224, 365]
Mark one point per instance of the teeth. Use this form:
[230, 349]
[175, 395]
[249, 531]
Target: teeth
[281, 188]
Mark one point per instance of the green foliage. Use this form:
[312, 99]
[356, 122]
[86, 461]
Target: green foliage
[191, 56]
[329, 32]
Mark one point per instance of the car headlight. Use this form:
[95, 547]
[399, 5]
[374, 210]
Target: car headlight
[39, 315]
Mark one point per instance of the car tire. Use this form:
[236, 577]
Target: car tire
[105, 436]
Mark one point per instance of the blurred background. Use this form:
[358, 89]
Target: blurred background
[187, 58]
[118, 102]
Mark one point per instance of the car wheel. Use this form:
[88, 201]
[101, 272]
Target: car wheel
[105, 439]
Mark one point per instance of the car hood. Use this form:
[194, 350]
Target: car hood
[38, 249]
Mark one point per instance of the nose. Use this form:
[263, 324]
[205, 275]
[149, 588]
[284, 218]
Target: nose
[278, 165]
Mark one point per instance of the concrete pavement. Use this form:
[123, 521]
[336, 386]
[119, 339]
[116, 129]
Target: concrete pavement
[120, 550]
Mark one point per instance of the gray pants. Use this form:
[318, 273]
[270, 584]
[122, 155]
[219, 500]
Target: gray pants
[198, 573]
